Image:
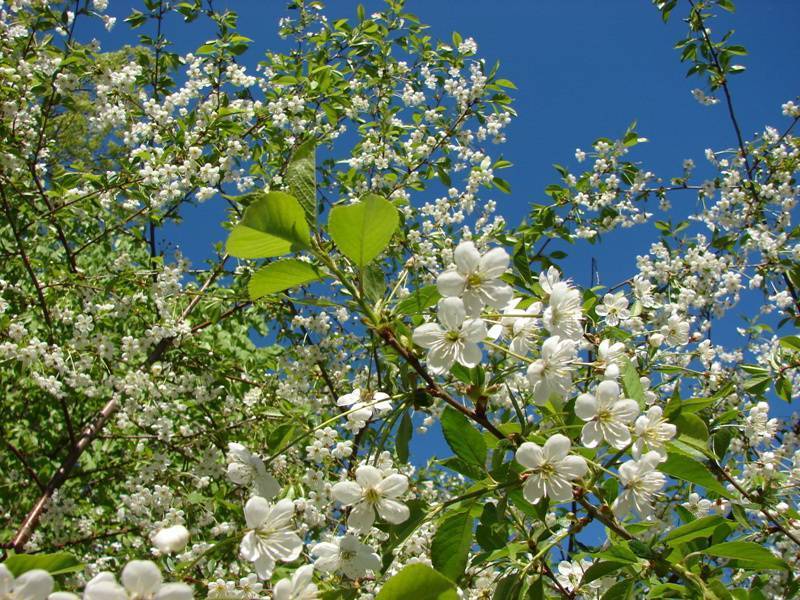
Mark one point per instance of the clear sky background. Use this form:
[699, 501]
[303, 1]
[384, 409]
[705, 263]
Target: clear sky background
[584, 69]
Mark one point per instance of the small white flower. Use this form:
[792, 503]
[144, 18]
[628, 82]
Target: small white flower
[271, 537]
[374, 402]
[653, 432]
[31, 585]
[570, 575]
[372, 492]
[640, 482]
[551, 374]
[563, 316]
[476, 279]
[614, 308]
[608, 416]
[609, 356]
[299, 587]
[346, 554]
[553, 469]
[247, 468]
[171, 539]
[455, 342]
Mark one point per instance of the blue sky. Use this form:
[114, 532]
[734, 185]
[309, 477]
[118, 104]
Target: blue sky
[583, 69]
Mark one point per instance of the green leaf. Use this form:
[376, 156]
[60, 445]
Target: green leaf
[363, 230]
[281, 275]
[622, 590]
[601, 569]
[419, 582]
[404, 432]
[418, 300]
[694, 529]
[463, 439]
[451, 544]
[631, 382]
[301, 177]
[682, 467]
[791, 342]
[747, 555]
[691, 425]
[57, 563]
[273, 225]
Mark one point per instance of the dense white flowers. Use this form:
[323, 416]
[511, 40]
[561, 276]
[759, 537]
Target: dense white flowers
[608, 416]
[271, 537]
[454, 341]
[553, 469]
[371, 492]
[476, 279]
[299, 587]
[246, 468]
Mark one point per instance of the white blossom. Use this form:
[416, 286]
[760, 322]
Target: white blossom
[271, 537]
[553, 469]
[455, 342]
[371, 492]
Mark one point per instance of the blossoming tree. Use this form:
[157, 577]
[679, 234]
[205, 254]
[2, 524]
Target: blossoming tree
[242, 429]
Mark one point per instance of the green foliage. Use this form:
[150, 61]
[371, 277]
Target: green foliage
[273, 225]
[363, 230]
[451, 543]
[302, 178]
[464, 440]
[281, 275]
[58, 563]
[419, 582]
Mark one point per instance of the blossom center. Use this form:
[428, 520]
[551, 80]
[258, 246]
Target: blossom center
[371, 495]
[474, 280]
[452, 336]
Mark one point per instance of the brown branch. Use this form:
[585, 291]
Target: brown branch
[28, 468]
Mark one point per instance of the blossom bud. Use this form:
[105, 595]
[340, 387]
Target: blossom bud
[171, 539]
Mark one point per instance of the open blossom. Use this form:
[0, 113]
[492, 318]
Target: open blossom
[563, 315]
[271, 537]
[372, 402]
[640, 483]
[653, 432]
[608, 416]
[141, 580]
[454, 341]
[553, 469]
[346, 554]
[247, 468]
[551, 374]
[31, 585]
[371, 492]
[299, 587]
[521, 326]
[609, 355]
[476, 279]
[570, 575]
[614, 308]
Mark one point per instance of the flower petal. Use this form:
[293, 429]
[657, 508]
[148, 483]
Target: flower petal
[361, 517]
[256, 511]
[586, 407]
[174, 591]
[625, 410]
[466, 257]
[529, 455]
[470, 355]
[451, 313]
[347, 492]
[427, 335]
[591, 434]
[572, 467]
[392, 511]
[494, 263]
[556, 447]
[450, 283]
[141, 577]
[474, 330]
[34, 585]
[368, 476]
[393, 486]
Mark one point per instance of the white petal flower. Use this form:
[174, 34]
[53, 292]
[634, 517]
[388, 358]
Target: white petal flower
[553, 469]
[550, 376]
[299, 587]
[476, 279]
[271, 537]
[247, 468]
[640, 482]
[346, 554]
[455, 341]
[371, 492]
[563, 316]
[608, 416]
[653, 432]
[35, 584]
[171, 539]
[614, 308]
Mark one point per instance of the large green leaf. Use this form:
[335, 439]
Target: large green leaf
[451, 544]
[418, 582]
[682, 467]
[363, 230]
[404, 432]
[57, 563]
[698, 528]
[273, 225]
[747, 555]
[463, 439]
[631, 382]
[301, 176]
[281, 275]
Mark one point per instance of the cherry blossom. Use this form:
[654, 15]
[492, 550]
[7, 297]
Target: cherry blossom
[476, 278]
[454, 341]
[271, 537]
[609, 416]
[371, 492]
[553, 469]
